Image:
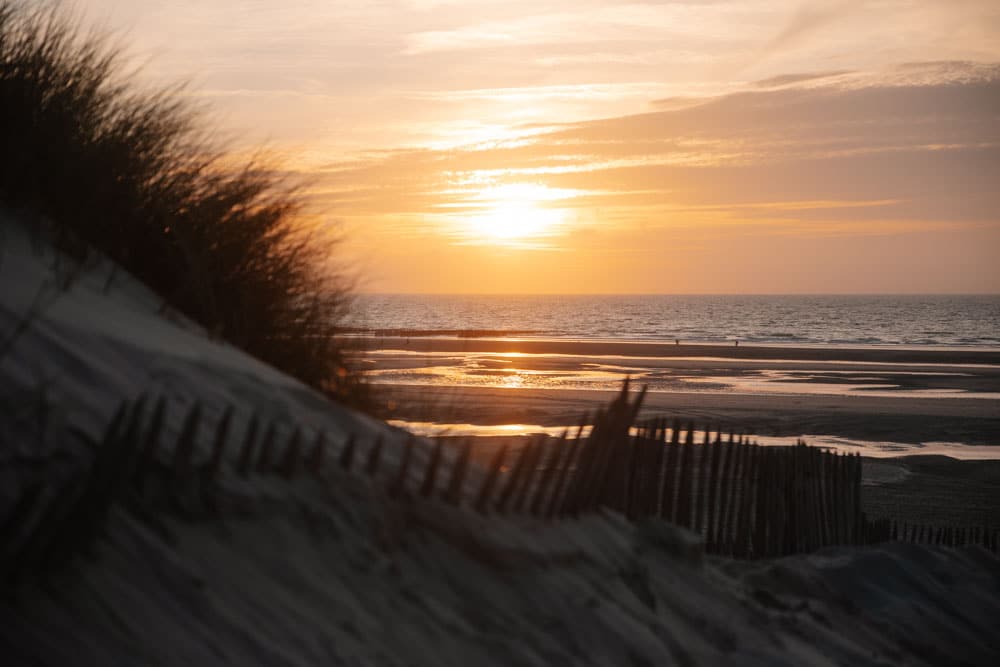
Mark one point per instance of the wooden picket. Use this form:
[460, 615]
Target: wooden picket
[746, 500]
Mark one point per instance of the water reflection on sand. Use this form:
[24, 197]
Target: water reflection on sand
[664, 374]
[868, 448]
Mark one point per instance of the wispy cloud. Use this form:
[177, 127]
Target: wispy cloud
[806, 21]
[706, 126]
[796, 79]
[355, 74]
[904, 153]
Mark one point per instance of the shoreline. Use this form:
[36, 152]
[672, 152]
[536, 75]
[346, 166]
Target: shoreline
[865, 394]
[909, 420]
[610, 348]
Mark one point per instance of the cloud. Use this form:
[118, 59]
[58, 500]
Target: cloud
[792, 79]
[906, 155]
[919, 151]
[807, 20]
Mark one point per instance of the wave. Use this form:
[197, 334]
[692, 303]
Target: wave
[929, 320]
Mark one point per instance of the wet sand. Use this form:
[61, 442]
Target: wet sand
[935, 490]
[683, 350]
[910, 419]
[877, 394]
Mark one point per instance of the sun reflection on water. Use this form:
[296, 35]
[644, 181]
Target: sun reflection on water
[513, 381]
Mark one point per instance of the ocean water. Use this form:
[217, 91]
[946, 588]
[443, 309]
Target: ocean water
[913, 320]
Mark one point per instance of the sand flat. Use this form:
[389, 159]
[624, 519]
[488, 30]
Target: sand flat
[881, 394]
[686, 350]
[904, 419]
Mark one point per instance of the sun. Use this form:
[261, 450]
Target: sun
[516, 213]
[514, 220]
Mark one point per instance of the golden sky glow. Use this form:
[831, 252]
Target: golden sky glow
[514, 214]
[611, 146]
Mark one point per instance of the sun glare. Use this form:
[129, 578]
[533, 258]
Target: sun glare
[517, 213]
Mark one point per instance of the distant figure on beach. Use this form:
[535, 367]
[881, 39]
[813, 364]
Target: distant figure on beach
[677, 341]
[737, 343]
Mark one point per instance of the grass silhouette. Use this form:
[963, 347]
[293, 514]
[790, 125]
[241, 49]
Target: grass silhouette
[100, 162]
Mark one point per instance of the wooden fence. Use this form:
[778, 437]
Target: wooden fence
[746, 500]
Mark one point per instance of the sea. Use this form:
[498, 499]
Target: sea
[848, 320]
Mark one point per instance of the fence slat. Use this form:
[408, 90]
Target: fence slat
[557, 504]
[249, 445]
[374, 458]
[266, 445]
[557, 459]
[528, 475]
[402, 473]
[492, 475]
[454, 493]
[430, 477]
[511, 485]
[668, 507]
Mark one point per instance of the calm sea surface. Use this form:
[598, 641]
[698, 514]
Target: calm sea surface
[832, 320]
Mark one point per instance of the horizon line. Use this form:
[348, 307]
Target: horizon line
[388, 293]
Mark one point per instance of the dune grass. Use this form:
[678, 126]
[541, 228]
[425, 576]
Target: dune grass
[138, 175]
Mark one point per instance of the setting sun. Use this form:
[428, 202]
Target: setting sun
[516, 213]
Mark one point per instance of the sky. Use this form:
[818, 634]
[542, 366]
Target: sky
[606, 146]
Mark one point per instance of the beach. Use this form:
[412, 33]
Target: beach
[913, 397]
[655, 333]
[926, 421]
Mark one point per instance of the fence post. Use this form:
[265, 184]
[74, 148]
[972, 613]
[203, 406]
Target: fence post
[856, 489]
[346, 460]
[316, 456]
[668, 503]
[249, 445]
[150, 444]
[579, 489]
[454, 493]
[557, 504]
[657, 442]
[700, 494]
[685, 490]
[432, 467]
[512, 481]
[264, 458]
[492, 475]
[215, 462]
[763, 500]
[531, 467]
[374, 457]
[748, 492]
[184, 449]
[734, 467]
[290, 464]
[399, 484]
[712, 531]
[557, 460]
